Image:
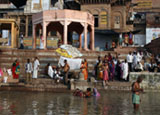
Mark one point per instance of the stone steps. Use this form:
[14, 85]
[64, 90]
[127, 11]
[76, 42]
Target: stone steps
[8, 56]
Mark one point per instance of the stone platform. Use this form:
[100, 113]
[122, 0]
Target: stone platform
[151, 82]
[40, 84]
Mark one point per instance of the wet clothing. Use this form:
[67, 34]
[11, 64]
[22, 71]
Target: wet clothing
[135, 99]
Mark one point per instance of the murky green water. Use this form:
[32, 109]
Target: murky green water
[44, 103]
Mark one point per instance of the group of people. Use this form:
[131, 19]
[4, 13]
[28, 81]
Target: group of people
[110, 68]
[142, 61]
[88, 93]
[58, 73]
[31, 72]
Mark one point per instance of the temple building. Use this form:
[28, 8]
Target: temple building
[83, 38]
[63, 22]
[112, 17]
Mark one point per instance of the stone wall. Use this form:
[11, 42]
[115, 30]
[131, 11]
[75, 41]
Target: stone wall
[150, 82]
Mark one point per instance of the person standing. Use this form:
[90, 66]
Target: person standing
[135, 60]
[119, 70]
[125, 70]
[21, 41]
[15, 69]
[105, 74]
[41, 42]
[29, 69]
[84, 66]
[126, 39]
[130, 38]
[130, 61]
[66, 69]
[112, 70]
[136, 90]
[120, 39]
[36, 68]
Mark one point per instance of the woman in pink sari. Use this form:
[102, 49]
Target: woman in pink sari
[105, 74]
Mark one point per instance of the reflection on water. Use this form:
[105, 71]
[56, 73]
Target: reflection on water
[44, 103]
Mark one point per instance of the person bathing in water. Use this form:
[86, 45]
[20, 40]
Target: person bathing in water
[136, 90]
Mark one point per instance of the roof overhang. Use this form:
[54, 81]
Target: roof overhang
[18, 3]
[109, 32]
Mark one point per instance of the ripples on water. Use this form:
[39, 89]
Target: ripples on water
[44, 103]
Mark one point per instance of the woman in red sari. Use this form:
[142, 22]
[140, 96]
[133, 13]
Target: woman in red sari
[15, 69]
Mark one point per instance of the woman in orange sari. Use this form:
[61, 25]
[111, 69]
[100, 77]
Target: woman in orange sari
[84, 67]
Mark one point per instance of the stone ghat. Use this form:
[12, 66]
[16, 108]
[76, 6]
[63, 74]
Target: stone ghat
[151, 81]
[115, 85]
[45, 84]
[40, 84]
[8, 56]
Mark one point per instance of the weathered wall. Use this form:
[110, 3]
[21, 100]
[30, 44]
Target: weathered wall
[140, 39]
[151, 81]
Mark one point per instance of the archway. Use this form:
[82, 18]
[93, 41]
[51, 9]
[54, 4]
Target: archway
[54, 34]
[75, 30]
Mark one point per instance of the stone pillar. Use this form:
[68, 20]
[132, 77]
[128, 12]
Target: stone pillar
[65, 32]
[92, 38]
[34, 36]
[19, 21]
[80, 41]
[85, 36]
[26, 29]
[44, 35]
[12, 35]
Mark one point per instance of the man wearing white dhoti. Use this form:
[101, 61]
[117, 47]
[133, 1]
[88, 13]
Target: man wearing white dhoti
[125, 70]
[36, 68]
[135, 59]
[50, 71]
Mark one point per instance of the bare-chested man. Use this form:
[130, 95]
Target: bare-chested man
[66, 69]
[136, 92]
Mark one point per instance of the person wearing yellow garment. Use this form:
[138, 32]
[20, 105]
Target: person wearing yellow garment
[84, 67]
[100, 70]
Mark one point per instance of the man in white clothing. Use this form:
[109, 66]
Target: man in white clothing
[139, 57]
[125, 70]
[135, 59]
[130, 61]
[50, 71]
[36, 68]
[29, 69]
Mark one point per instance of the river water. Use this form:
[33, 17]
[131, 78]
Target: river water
[48, 103]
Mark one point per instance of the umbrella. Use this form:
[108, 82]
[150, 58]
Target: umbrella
[68, 51]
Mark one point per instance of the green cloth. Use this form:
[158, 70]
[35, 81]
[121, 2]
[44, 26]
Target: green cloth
[135, 99]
